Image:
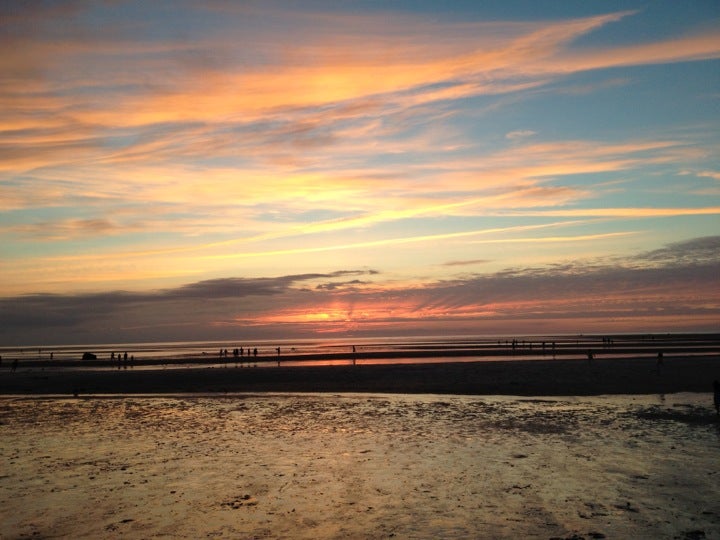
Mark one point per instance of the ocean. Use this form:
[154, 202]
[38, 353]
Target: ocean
[336, 351]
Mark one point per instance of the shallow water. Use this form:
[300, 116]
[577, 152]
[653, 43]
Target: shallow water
[388, 350]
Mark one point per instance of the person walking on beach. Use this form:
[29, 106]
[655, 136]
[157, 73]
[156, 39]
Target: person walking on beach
[716, 396]
[15, 365]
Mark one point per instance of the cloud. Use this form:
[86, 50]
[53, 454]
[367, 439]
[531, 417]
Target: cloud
[325, 68]
[242, 287]
[701, 46]
[65, 229]
[702, 250]
[519, 134]
[466, 263]
[709, 174]
[679, 280]
[138, 148]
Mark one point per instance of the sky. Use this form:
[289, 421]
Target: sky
[254, 170]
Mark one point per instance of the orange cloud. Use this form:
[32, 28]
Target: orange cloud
[327, 68]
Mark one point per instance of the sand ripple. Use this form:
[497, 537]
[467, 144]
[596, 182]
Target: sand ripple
[360, 466]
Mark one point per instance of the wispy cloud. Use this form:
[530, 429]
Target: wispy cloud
[471, 262]
[519, 134]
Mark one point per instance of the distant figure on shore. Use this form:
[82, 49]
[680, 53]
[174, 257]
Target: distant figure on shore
[716, 396]
[590, 356]
[15, 365]
[254, 353]
[659, 361]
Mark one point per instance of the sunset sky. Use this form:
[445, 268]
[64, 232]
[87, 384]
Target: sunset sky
[244, 170]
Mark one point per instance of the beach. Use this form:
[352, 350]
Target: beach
[617, 446]
[360, 466]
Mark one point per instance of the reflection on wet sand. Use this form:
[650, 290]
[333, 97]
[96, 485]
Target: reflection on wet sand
[360, 466]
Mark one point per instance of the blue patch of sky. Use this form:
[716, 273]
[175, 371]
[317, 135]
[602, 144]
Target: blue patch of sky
[653, 97]
[651, 186]
[463, 10]
[653, 21]
[664, 230]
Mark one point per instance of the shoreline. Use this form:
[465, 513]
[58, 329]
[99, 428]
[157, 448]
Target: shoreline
[314, 350]
[518, 377]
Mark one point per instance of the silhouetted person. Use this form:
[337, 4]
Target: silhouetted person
[659, 361]
[716, 396]
[590, 356]
[14, 364]
[254, 353]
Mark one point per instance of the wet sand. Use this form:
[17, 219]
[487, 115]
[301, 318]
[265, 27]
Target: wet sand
[436, 450]
[561, 377]
[360, 466]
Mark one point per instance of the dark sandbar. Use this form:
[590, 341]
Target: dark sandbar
[632, 375]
